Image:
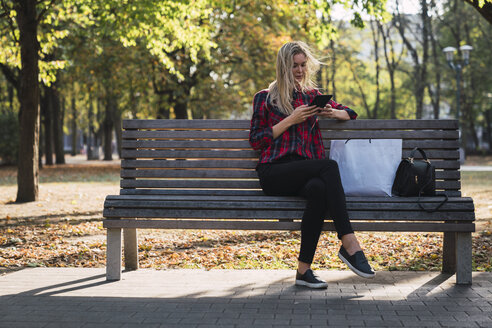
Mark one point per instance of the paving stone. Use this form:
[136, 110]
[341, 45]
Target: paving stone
[68, 297]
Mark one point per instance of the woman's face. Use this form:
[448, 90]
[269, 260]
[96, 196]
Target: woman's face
[299, 68]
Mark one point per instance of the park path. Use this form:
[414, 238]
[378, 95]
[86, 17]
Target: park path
[64, 297]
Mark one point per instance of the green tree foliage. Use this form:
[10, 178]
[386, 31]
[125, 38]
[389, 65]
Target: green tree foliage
[206, 58]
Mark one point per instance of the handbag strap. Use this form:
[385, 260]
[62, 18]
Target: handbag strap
[424, 155]
[421, 151]
[431, 210]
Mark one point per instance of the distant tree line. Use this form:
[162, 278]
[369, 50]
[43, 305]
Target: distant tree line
[80, 65]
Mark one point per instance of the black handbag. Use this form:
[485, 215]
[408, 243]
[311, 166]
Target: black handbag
[416, 178]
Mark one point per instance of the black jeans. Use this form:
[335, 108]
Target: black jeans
[317, 180]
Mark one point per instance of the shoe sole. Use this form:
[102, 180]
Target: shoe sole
[357, 272]
[319, 285]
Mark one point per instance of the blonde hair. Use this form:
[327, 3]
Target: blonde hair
[280, 90]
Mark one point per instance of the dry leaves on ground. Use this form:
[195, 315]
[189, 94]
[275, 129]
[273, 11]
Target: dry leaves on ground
[83, 244]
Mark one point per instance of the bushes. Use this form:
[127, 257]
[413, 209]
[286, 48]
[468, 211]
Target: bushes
[9, 137]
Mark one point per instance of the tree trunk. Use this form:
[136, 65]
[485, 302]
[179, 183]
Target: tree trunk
[471, 126]
[422, 80]
[485, 10]
[419, 74]
[27, 167]
[180, 107]
[488, 122]
[435, 95]
[162, 107]
[393, 95]
[375, 38]
[10, 91]
[108, 125]
[57, 124]
[391, 64]
[41, 147]
[333, 68]
[90, 129]
[47, 121]
[117, 127]
[74, 127]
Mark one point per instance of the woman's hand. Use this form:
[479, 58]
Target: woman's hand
[299, 115]
[330, 112]
[302, 113]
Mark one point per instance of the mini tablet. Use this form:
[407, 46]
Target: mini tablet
[321, 100]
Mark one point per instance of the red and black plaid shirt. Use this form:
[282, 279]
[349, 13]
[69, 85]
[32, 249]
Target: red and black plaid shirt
[303, 139]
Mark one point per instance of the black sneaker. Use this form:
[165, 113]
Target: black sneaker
[310, 280]
[357, 263]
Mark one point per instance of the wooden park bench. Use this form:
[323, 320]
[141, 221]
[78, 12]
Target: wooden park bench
[200, 174]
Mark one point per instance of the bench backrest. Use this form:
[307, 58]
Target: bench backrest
[214, 156]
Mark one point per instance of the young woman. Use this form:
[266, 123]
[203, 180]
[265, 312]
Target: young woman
[285, 130]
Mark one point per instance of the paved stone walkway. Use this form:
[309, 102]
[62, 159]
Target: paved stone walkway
[52, 297]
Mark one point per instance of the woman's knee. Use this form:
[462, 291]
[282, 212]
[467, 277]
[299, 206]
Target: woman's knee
[330, 167]
[331, 164]
[314, 188]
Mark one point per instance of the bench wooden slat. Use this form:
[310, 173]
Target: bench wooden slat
[324, 123]
[433, 154]
[216, 192]
[186, 124]
[370, 124]
[231, 214]
[201, 164]
[208, 144]
[170, 173]
[126, 153]
[356, 134]
[172, 183]
[328, 134]
[227, 184]
[133, 191]
[185, 134]
[266, 205]
[245, 225]
[221, 141]
[221, 173]
[246, 163]
[233, 196]
[243, 145]
[245, 153]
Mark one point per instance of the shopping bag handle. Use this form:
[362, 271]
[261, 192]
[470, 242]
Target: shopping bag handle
[360, 139]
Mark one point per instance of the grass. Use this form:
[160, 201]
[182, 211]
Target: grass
[476, 179]
[66, 173]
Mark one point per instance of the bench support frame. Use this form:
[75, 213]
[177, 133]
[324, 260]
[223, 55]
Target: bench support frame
[113, 260]
[463, 258]
[130, 248]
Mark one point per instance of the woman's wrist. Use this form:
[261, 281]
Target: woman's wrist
[281, 127]
[342, 115]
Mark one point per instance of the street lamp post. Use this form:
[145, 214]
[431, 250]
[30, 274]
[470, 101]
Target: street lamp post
[458, 67]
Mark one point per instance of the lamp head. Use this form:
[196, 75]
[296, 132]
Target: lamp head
[465, 50]
[449, 51]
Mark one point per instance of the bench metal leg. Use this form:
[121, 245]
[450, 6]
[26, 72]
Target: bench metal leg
[463, 258]
[449, 253]
[113, 254]
[130, 248]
